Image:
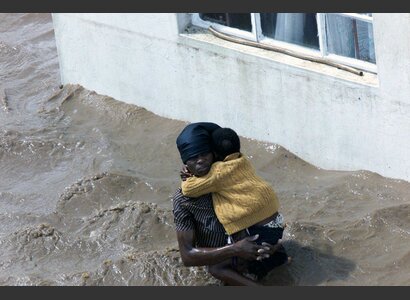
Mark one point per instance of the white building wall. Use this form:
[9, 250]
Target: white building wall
[392, 42]
[330, 118]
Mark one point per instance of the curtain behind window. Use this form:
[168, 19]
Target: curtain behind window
[294, 28]
[350, 38]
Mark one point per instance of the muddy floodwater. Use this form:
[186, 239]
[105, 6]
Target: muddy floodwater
[86, 185]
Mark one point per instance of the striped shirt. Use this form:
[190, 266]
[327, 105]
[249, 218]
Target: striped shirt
[198, 214]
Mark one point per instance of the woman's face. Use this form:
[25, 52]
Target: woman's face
[200, 164]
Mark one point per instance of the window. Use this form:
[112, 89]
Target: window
[345, 38]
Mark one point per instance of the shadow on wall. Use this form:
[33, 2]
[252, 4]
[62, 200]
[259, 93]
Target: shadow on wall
[309, 267]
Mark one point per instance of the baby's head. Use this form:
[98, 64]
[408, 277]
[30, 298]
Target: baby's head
[225, 141]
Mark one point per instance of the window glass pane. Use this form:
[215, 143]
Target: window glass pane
[350, 38]
[295, 28]
[240, 21]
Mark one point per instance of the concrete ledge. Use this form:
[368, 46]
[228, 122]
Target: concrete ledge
[201, 38]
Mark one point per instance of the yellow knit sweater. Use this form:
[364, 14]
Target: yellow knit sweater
[240, 197]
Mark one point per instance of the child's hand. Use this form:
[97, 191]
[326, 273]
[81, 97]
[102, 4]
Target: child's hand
[184, 173]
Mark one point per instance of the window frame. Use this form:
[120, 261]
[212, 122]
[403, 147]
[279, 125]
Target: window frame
[256, 36]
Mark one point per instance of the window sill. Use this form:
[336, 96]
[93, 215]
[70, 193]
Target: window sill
[201, 38]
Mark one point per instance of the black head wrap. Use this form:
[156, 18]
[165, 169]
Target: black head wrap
[195, 139]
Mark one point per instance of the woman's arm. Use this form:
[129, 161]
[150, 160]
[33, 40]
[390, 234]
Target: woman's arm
[193, 256]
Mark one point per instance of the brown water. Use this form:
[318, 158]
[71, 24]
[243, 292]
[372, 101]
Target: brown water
[86, 184]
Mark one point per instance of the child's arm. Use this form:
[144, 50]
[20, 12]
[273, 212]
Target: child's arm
[198, 186]
[184, 173]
